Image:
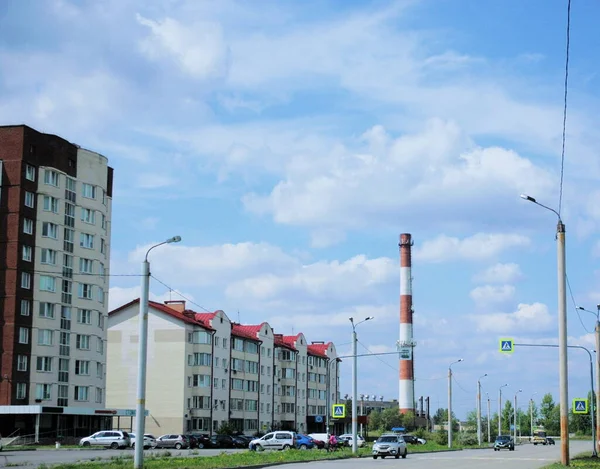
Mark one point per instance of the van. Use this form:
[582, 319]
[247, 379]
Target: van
[324, 437]
[280, 439]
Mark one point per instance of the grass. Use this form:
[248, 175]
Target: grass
[581, 461]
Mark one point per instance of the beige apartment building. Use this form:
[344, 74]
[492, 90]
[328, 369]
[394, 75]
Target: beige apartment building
[205, 370]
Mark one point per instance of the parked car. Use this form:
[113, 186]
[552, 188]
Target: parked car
[176, 441]
[389, 444]
[304, 442]
[322, 439]
[318, 443]
[223, 441]
[198, 440]
[279, 440]
[113, 439]
[504, 442]
[347, 439]
[149, 440]
[414, 440]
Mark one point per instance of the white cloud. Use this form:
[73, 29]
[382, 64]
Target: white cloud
[325, 238]
[499, 273]
[154, 180]
[480, 246]
[527, 318]
[488, 294]
[198, 48]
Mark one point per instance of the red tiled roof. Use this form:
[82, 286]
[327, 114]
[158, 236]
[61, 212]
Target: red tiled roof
[280, 341]
[319, 350]
[290, 340]
[246, 331]
[204, 318]
[185, 316]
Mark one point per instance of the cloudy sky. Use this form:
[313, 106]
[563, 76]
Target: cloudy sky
[290, 143]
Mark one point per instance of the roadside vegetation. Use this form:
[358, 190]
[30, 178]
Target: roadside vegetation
[582, 461]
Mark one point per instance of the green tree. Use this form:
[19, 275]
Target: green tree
[549, 414]
[440, 417]
[374, 420]
[507, 417]
[472, 419]
[390, 418]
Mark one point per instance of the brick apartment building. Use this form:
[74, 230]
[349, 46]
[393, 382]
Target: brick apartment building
[55, 219]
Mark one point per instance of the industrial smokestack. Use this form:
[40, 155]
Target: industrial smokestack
[406, 344]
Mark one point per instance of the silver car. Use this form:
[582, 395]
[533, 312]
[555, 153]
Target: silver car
[149, 440]
[389, 445]
[113, 439]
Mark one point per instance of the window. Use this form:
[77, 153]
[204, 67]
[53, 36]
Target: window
[100, 346]
[49, 230]
[99, 370]
[251, 405]
[48, 256]
[100, 295]
[101, 270]
[86, 266]
[200, 359]
[223, 383]
[200, 337]
[237, 344]
[86, 291]
[47, 283]
[47, 310]
[103, 222]
[45, 337]
[99, 395]
[89, 191]
[224, 342]
[25, 280]
[81, 393]
[88, 216]
[29, 172]
[44, 364]
[27, 253]
[51, 178]
[23, 335]
[86, 240]
[237, 384]
[102, 246]
[71, 185]
[83, 342]
[25, 307]
[201, 381]
[50, 204]
[21, 390]
[27, 226]
[43, 391]
[262, 351]
[82, 367]
[29, 199]
[84, 316]
[100, 320]
[22, 362]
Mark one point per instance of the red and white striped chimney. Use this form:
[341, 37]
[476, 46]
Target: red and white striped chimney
[406, 399]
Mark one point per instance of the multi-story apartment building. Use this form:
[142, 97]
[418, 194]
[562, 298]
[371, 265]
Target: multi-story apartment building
[205, 371]
[55, 218]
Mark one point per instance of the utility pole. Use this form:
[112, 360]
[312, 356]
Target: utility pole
[450, 402]
[562, 343]
[597, 330]
[500, 409]
[515, 414]
[488, 420]
[479, 409]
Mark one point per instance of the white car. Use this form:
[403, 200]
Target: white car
[149, 440]
[283, 440]
[360, 441]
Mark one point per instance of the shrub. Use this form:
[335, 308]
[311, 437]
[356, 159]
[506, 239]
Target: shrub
[441, 437]
[467, 439]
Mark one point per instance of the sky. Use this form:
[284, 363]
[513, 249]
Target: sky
[290, 143]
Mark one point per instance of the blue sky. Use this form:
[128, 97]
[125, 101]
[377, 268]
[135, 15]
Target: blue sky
[290, 143]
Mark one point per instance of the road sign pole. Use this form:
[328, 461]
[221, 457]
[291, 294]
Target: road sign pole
[562, 344]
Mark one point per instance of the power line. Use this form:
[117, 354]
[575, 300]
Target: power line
[180, 294]
[575, 305]
[378, 358]
[564, 129]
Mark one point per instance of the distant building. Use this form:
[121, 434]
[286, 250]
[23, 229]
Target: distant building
[55, 219]
[205, 370]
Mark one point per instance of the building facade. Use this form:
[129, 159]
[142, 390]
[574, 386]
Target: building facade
[205, 371]
[55, 220]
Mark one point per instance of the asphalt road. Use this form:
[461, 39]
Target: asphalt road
[524, 457]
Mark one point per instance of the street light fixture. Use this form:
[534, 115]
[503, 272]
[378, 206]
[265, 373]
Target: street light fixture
[450, 401]
[562, 332]
[515, 414]
[140, 415]
[479, 409]
[355, 382]
[531, 413]
[597, 334]
[500, 409]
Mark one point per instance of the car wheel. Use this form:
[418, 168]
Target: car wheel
[397, 456]
[303, 447]
[374, 456]
[200, 445]
[132, 445]
[177, 445]
[405, 454]
[286, 447]
[86, 444]
[114, 445]
[383, 456]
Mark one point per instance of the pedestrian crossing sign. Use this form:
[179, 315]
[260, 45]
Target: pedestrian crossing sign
[507, 345]
[580, 406]
[338, 411]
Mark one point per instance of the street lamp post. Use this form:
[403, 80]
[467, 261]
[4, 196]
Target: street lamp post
[515, 414]
[355, 383]
[450, 401]
[479, 409]
[489, 426]
[500, 408]
[140, 415]
[562, 333]
[531, 414]
[597, 334]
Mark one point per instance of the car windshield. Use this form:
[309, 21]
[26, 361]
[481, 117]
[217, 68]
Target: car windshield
[502, 438]
[387, 439]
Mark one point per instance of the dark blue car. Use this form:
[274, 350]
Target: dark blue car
[304, 442]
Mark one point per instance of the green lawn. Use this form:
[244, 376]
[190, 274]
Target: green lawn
[581, 461]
